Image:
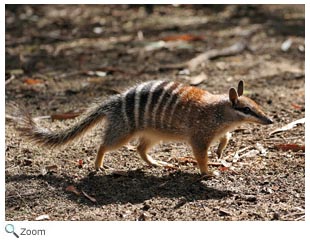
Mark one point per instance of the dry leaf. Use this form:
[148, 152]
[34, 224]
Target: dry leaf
[223, 169]
[183, 37]
[296, 106]
[154, 45]
[30, 81]
[251, 153]
[288, 126]
[89, 197]
[168, 45]
[42, 217]
[198, 79]
[290, 147]
[187, 160]
[73, 189]
[97, 73]
[80, 163]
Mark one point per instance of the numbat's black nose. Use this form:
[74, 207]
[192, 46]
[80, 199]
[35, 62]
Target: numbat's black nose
[269, 121]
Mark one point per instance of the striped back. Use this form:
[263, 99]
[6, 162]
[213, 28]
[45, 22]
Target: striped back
[152, 104]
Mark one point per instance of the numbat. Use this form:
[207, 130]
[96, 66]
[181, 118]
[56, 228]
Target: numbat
[155, 111]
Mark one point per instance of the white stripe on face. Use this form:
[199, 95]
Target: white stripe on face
[163, 112]
[166, 88]
[148, 103]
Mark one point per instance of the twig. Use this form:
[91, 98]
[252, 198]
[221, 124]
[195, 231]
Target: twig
[216, 53]
[66, 115]
[11, 118]
[301, 217]
[211, 54]
[69, 74]
[294, 214]
[288, 126]
[10, 79]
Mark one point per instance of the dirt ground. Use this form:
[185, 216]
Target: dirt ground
[63, 58]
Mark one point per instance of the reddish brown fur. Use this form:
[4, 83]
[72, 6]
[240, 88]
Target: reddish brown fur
[194, 95]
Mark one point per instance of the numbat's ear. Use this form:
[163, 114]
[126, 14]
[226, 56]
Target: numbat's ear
[240, 88]
[233, 96]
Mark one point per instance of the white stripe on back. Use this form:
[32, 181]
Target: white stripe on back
[176, 103]
[147, 115]
[137, 102]
[163, 112]
[124, 113]
[166, 88]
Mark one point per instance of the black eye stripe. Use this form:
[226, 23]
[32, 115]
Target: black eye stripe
[247, 111]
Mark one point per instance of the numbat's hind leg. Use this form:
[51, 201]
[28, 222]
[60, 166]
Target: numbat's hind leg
[144, 145]
[111, 142]
[99, 158]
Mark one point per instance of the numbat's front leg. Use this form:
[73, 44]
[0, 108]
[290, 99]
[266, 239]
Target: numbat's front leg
[223, 143]
[200, 151]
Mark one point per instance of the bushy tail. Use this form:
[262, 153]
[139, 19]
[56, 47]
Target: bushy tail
[37, 134]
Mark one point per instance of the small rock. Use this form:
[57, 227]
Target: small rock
[198, 79]
[145, 216]
[42, 217]
[146, 207]
[251, 198]
[27, 162]
[184, 72]
[229, 79]
[286, 45]
[98, 30]
[125, 214]
[275, 216]
[301, 48]
[267, 190]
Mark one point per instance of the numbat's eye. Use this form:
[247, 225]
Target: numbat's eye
[246, 110]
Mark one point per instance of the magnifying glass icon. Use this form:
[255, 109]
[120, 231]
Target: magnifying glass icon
[9, 228]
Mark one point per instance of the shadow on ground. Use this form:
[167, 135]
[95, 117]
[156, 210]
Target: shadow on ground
[133, 187]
